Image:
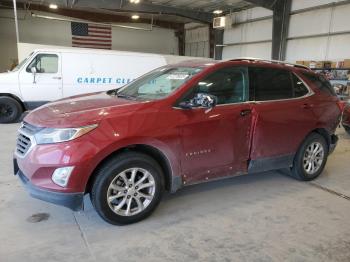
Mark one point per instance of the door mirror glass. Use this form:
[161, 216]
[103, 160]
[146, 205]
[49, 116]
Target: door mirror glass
[200, 100]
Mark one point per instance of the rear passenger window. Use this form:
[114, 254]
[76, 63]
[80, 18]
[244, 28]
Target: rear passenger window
[320, 82]
[299, 87]
[271, 84]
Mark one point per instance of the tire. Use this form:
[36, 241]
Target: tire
[307, 166]
[10, 110]
[347, 129]
[110, 183]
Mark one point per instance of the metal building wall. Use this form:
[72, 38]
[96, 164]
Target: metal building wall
[249, 34]
[196, 40]
[319, 32]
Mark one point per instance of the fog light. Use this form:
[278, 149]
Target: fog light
[61, 175]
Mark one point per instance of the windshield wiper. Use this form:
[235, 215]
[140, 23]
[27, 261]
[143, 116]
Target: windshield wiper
[130, 97]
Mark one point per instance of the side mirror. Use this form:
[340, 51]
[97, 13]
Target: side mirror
[204, 100]
[200, 100]
[33, 70]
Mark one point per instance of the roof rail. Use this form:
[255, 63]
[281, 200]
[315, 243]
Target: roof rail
[269, 61]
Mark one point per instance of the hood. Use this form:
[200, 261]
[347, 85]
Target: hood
[8, 78]
[80, 110]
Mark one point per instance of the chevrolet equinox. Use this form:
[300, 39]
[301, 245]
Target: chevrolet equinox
[176, 126]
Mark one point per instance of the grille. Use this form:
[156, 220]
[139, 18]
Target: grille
[24, 141]
[23, 144]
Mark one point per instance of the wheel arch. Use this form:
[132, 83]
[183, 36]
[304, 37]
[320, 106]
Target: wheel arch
[321, 131]
[16, 98]
[151, 151]
[325, 134]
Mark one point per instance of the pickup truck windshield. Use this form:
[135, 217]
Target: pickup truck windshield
[159, 83]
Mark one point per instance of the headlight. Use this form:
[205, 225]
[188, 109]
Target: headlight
[57, 135]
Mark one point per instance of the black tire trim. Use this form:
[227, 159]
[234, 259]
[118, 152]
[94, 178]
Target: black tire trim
[297, 171]
[16, 106]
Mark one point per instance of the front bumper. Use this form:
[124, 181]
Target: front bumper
[74, 201]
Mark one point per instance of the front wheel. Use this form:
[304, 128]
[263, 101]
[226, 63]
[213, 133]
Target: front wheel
[127, 188]
[311, 158]
[10, 110]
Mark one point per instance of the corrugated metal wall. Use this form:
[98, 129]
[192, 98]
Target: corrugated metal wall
[250, 34]
[322, 34]
[197, 40]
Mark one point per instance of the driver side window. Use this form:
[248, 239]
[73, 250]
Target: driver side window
[229, 85]
[44, 63]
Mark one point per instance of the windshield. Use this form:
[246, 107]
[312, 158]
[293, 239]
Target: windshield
[159, 83]
[21, 64]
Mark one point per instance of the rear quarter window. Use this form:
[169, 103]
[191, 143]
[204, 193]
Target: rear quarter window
[321, 83]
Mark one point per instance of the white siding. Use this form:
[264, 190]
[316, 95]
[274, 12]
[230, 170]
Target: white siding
[323, 21]
[306, 49]
[197, 40]
[261, 50]
[249, 32]
[302, 4]
[241, 36]
[310, 23]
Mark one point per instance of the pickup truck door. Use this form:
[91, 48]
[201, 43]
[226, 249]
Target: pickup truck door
[46, 84]
[216, 142]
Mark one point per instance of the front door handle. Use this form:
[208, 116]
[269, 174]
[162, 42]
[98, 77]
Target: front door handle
[246, 112]
[307, 106]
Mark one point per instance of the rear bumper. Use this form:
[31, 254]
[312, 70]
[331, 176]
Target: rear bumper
[74, 201]
[333, 143]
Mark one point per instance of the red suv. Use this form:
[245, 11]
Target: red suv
[346, 118]
[176, 126]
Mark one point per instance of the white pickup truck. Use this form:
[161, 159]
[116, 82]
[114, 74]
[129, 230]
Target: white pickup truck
[50, 74]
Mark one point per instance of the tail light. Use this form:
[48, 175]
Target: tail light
[341, 105]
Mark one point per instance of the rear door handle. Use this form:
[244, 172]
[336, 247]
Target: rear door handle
[246, 112]
[57, 77]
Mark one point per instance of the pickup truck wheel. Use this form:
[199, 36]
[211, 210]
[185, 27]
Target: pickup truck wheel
[10, 110]
[127, 188]
[347, 129]
[311, 158]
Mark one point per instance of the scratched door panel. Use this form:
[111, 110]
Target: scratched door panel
[216, 144]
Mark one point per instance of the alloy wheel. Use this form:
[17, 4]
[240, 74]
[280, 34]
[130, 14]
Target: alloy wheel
[313, 158]
[131, 191]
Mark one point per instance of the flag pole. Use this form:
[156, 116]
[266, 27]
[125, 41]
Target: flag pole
[16, 20]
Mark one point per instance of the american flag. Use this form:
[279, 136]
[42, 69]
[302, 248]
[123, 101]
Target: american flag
[91, 36]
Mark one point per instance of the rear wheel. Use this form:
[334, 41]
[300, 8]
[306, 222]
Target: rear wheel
[311, 158]
[10, 110]
[127, 188]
